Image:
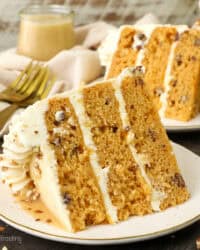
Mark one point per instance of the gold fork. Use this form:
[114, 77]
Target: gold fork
[25, 84]
[41, 93]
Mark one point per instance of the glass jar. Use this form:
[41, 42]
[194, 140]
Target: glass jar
[45, 30]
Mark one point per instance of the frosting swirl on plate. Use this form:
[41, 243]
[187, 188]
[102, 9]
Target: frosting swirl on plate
[16, 158]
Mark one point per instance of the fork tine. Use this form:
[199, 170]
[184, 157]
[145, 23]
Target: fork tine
[46, 91]
[44, 82]
[45, 86]
[14, 85]
[31, 75]
[37, 86]
[23, 83]
[36, 83]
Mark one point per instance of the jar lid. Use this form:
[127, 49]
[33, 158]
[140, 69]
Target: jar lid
[46, 10]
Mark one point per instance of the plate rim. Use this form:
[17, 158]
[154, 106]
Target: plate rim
[100, 241]
[181, 128]
[97, 241]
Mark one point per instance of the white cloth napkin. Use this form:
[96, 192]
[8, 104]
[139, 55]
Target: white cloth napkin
[74, 66]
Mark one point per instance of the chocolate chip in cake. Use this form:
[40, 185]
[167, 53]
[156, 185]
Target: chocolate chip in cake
[114, 129]
[174, 83]
[35, 132]
[177, 36]
[39, 155]
[56, 123]
[139, 82]
[152, 134]
[192, 58]
[139, 41]
[147, 165]
[133, 167]
[163, 146]
[77, 149]
[66, 198]
[48, 220]
[141, 36]
[38, 211]
[179, 60]
[177, 179]
[60, 116]
[138, 47]
[171, 103]
[107, 101]
[197, 42]
[138, 70]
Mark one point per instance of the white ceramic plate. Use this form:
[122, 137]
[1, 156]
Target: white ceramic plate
[178, 126]
[132, 230]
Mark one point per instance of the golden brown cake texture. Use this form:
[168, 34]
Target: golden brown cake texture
[170, 57]
[112, 157]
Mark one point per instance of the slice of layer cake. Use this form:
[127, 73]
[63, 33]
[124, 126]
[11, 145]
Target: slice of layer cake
[95, 155]
[170, 58]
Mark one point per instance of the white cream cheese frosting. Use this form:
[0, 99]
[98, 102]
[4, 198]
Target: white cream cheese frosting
[28, 136]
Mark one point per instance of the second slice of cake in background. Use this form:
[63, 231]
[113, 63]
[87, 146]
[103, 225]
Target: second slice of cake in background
[170, 59]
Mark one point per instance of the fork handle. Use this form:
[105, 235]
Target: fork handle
[6, 113]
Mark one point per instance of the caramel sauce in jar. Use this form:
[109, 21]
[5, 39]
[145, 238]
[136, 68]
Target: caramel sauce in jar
[45, 31]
